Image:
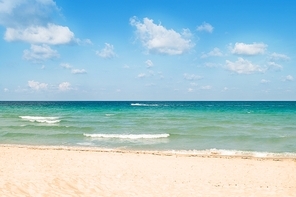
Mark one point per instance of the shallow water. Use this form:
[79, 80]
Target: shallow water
[257, 127]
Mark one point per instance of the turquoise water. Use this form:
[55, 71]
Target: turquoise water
[180, 126]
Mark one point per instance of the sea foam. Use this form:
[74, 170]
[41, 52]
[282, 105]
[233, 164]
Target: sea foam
[144, 104]
[40, 119]
[128, 136]
[239, 153]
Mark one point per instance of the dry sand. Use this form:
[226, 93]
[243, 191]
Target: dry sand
[31, 171]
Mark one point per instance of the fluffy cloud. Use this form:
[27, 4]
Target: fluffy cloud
[73, 70]
[277, 56]
[289, 78]
[191, 77]
[78, 71]
[149, 74]
[51, 34]
[107, 52]
[274, 66]
[190, 90]
[207, 87]
[30, 21]
[186, 33]
[248, 49]
[6, 6]
[141, 75]
[242, 66]
[39, 53]
[205, 27]
[149, 63]
[215, 52]
[158, 39]
[35, 85]
[66, 65]
[64, 86]
[21, 13]
[83, 42]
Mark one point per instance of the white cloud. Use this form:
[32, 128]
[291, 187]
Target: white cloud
[277, 56]
[149, 74]
[289, 78]
[141, 75]
[46, 2]
[215, 52]
[225, 89]
[205, 27]
[242, 66]
[64, 86]
[35, 85]
[78, 71]
[21, 13]
[211, 65]
[88, 41]
[191, 77]
[30, 21]
[274, 66]
[6, 6]
[66, 65]
[73, 70]
[149, 63]
[207, 87]
[40, 53]
[51, 34]
[187, 33]
[190, 90]
[84, 42]
[248, 49]
[107, 52]
[158, 39]
[5, 89]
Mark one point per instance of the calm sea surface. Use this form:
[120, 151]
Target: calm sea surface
[225, 127]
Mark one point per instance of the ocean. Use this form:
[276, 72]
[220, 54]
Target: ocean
[257, 128]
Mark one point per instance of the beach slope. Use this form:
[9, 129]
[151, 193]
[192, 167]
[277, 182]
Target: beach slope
[47, 171]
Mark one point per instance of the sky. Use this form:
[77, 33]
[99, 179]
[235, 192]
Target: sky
[147, 50]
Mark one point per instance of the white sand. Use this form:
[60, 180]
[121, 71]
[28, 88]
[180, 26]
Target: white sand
[29, 171]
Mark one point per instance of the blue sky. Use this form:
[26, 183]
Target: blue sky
[147, 50]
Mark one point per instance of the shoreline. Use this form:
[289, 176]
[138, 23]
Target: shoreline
[212, 153]
[47, 171]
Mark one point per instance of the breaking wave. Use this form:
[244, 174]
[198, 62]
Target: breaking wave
[143, 104]
[40, 119]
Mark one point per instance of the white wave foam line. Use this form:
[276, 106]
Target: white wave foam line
[128, 136]
[223, 152]
[40, 119]
[142, 104]
[85, 144]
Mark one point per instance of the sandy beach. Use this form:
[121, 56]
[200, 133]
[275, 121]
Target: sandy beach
[47, 171]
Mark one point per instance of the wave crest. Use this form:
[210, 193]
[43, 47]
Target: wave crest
[41, 119]
[143, 104]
